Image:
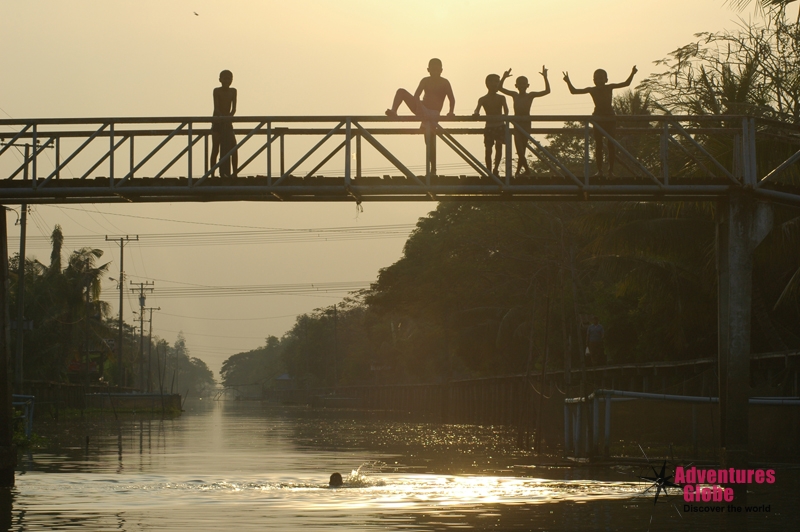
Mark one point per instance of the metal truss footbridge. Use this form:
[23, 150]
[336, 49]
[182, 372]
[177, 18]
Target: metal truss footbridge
[369, 158]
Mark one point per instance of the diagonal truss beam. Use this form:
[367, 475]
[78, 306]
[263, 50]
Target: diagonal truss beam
[37, 151]
[388, 155]
[690, 155]
[465, 154]
[73, 155]
[151, 154]
[270, 139]
[702, 150]
[550, 159]
[225, 157]
[103, 158]
[625, 152]
[780, 169]
[16, 137]
[309, 153]
[177, 157]
[327, 158]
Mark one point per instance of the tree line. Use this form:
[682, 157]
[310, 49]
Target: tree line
[72, 335]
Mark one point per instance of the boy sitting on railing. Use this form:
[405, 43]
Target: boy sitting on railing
[436, 89]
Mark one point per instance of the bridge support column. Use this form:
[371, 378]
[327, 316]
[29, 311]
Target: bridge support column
[8, 454]
[742, 224]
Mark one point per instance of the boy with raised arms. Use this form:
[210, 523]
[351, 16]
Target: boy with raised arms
[522, 107]
[602, 95]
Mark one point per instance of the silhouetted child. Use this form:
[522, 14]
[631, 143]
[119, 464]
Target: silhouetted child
[435, 89]
[494, 135]
[603, 109]
[222, 136]
[336, 481]
[522, 107]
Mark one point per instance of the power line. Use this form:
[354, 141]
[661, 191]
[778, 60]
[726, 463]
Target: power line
[228, 238]
[173, 221]
[215, 335]
[229, 319]
[336, 287]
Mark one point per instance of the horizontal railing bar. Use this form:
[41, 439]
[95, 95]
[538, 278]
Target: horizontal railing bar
[361, 118]
[118, 199]
[277, 131]
[488, 188]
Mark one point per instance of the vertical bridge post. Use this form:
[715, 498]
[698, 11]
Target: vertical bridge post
[8, 455]
[742, 224]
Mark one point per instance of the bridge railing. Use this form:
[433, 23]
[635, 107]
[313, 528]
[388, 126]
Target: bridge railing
[281, 157]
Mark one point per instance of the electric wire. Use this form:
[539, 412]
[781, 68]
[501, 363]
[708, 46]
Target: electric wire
[228, 319]
[229, 238]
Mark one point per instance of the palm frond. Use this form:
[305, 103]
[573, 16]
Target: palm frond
[742, 4]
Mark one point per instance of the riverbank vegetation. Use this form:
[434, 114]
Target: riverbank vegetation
[69, 324]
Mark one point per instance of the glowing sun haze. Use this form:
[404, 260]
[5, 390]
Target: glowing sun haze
[305, 57]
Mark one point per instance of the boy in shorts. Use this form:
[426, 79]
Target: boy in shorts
[494, 135]
[222, 136]
[435, 89]
[522, 107]
[604, 111]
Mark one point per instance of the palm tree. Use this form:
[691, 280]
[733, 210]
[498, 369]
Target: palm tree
[65, 307]
[741, 4]
[764, 4]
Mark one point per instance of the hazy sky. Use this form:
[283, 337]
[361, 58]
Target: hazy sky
[306, 57]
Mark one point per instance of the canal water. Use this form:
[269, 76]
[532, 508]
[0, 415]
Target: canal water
[246, 466]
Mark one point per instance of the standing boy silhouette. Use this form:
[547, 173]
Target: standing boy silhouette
[222, 136]
[522, 107]
[493, 105]
[435, 89]
[602, 95]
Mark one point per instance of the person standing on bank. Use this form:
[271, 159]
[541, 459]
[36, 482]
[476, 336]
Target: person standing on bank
[595, 335]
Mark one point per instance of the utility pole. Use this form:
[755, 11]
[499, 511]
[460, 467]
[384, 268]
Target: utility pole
[142, 288]
[121, 241]
[150, 350]
[23, 222]
[23, 219]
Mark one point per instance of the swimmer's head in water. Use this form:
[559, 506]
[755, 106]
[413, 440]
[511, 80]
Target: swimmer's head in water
[336, 480]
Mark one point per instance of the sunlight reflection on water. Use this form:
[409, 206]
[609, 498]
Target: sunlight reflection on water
[243, 467]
